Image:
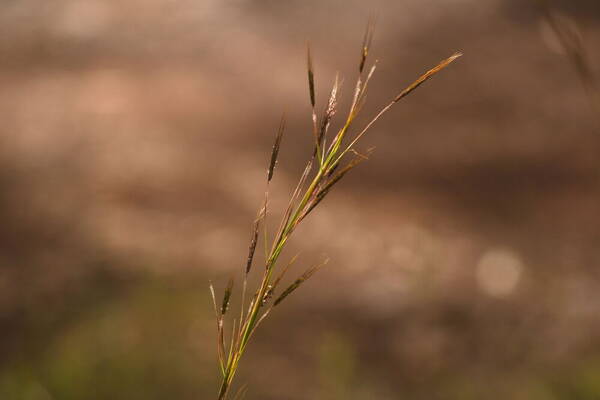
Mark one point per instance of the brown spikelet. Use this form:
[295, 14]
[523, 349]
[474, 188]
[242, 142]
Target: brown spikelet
[283, 271]
[226, 297]
[275, 151]
[366, 44]
[311, 206]
[311, 90]
[330, 111]
[252, 247]
[306, 275]
[423, 78]
[311, 76]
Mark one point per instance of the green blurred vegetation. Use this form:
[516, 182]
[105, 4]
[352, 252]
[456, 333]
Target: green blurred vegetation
[153, 338]
[153, 341]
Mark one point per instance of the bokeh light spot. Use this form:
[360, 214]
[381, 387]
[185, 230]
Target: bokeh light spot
[499, 271]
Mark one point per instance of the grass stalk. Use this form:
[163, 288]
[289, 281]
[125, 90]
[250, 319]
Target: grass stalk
[302, 202]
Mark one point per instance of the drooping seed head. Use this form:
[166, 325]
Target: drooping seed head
[426, 76]
[303, 278]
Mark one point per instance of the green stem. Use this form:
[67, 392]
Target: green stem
[252, 317]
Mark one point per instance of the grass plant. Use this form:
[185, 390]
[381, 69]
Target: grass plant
[570, 38]
[332, 158]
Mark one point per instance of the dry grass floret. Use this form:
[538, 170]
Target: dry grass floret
[327, 157]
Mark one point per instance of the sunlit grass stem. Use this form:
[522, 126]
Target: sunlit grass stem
[302, 202]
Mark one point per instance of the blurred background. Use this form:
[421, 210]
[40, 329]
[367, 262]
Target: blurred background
[135, 137]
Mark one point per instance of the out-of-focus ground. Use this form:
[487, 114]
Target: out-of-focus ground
[465, 259]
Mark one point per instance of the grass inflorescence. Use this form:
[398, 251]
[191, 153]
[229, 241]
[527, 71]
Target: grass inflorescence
[331, 159]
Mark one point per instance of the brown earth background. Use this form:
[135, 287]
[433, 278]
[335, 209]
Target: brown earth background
[134, 140]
